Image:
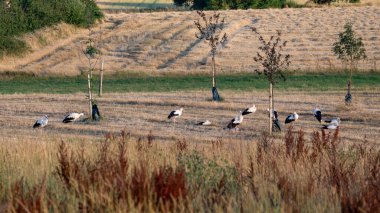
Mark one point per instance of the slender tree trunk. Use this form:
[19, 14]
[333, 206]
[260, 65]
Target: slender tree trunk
[89, 92]
[101, 79]
[270, 107]
[272, 101]
[213, 71]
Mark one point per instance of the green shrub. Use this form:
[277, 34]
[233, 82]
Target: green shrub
[324, 1]
[29, 15]
[12, 46]
[181, 3]
[208, 174]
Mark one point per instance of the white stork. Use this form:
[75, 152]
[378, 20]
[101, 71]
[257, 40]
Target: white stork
[236, 121]
[175, 113]
[204, 123]
[41, 122]
[317, 114]
[71, 117]
[291, 118]
[335, 121]
[249, 110]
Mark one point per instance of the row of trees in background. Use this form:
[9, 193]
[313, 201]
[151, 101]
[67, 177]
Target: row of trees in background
[21, 16]
[246, 4]
[230, 4]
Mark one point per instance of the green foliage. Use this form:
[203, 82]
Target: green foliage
[208, 175]
[349, 47]
[238, 4]
[12, 46]
[91, 51]
[181, 3]
[324, 1]
[28, 15]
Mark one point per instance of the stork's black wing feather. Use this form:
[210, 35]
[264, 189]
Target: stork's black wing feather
[172, 114]
[36, 125]
[68, 119]
[246, 112]
[232, 125]
[318, 116]
[289, 119]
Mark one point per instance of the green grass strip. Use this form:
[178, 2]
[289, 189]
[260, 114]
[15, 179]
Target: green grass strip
[15, 83]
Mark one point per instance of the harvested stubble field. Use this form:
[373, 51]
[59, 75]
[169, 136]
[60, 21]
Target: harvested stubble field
[165, 41]
[140, 113]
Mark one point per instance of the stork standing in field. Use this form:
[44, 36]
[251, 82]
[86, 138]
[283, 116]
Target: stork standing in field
[174, 114]
[317, 114]
[291, 118]
[204, 123]
[236, 121]
[249, 110]
[41, 122]
[71, 117]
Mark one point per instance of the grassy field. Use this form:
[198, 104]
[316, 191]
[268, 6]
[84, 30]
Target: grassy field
[16, 83]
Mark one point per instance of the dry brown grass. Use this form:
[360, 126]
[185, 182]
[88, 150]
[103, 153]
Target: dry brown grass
[299, 172]
[165, 41]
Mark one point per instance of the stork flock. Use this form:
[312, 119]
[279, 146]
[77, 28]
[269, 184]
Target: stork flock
[232, 125]
[235, 122]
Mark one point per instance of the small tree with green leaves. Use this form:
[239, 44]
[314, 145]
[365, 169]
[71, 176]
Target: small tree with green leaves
[92, 54]
[210, 29]
[273, 65]
[350, 50]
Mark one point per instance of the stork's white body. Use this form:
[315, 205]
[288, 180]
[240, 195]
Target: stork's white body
[175, 113]
[249, 110]
[71, 117]
[42, 122]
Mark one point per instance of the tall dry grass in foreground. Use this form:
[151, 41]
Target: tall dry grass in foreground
[297, 173]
